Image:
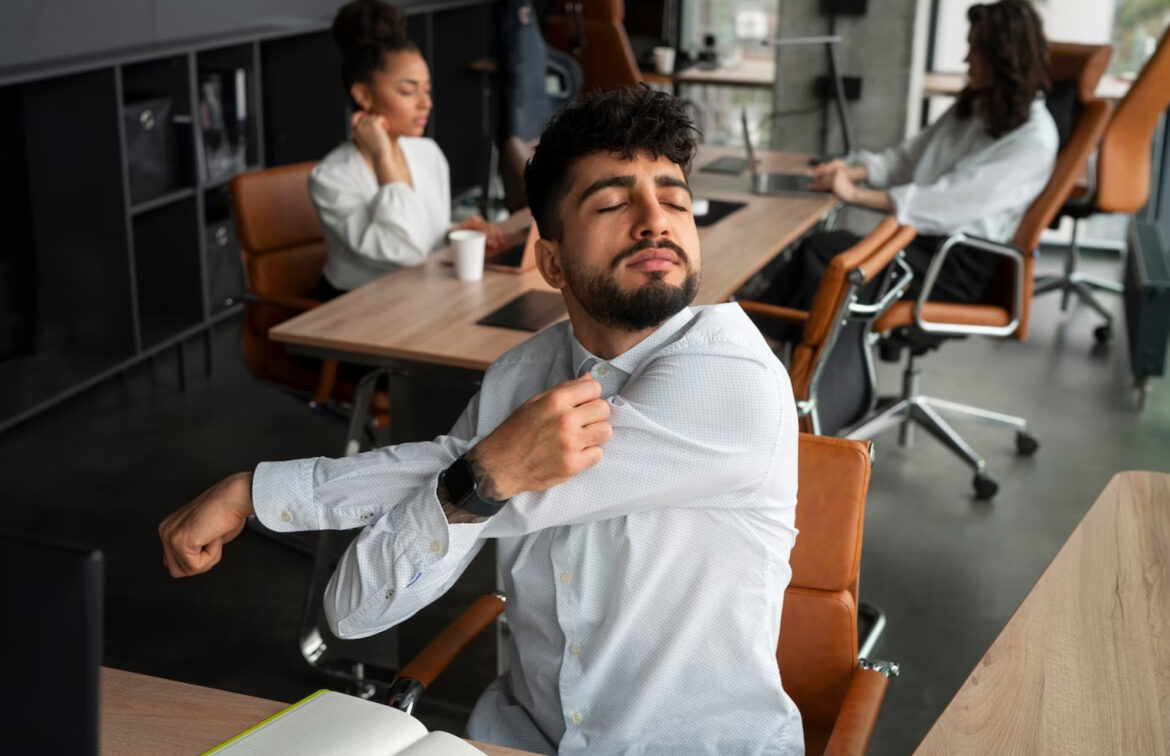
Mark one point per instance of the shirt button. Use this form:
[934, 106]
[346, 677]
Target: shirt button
[389, 593]
[436, 547]
[575, 650]
[576, 717]
[367, 515]
[285, 516]
[566, 578]
[603, 370]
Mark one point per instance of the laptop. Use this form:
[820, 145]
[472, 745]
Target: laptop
[517, 259]
[773, 183]
[52, 637]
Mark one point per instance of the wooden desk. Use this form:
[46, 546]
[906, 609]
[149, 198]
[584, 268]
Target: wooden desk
[936, 83]
[426, 315]
[149, 716]
[749, 73]
[1083, 666]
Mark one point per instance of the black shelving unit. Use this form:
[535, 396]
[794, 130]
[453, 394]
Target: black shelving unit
[96, 274]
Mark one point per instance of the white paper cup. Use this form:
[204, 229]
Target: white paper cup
[467, 248]
[664, 60]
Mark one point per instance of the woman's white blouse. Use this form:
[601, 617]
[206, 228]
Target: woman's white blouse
[371, 230]
[954, 176]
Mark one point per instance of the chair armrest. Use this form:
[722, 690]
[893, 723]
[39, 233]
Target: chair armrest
[979, 245]
[773, 312]
[422, 670]
[858, 715]
[291, 301]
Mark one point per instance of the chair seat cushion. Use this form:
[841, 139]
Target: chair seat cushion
[902, 314]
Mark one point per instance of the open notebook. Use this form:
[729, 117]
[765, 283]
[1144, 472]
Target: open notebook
[334, 724]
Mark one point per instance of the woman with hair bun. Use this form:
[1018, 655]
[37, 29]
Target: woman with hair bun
[384, 198]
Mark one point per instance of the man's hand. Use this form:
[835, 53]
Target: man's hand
[193, 536]
[547, 440]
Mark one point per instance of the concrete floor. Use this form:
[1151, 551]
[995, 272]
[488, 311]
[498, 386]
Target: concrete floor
[948, 570]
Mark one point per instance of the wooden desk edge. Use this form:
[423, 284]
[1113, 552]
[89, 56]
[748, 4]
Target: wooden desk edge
[141, 714]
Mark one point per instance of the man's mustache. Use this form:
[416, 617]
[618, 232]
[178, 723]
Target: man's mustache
[648, 244]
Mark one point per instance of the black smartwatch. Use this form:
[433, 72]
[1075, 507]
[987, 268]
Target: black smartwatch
[461, 486]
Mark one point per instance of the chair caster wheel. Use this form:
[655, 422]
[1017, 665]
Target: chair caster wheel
[1026, 444]
[1103, 333]
[985, 487]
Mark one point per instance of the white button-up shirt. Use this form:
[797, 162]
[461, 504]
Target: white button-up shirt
[645, 593]
[953, 176]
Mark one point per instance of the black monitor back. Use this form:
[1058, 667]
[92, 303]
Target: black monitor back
[51, 634]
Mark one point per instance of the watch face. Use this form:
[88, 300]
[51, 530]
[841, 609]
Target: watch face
[460, 481]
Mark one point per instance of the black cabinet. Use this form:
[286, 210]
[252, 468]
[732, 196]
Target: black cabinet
[114, 170]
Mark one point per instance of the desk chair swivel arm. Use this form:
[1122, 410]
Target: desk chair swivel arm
[420, 672]
[979, 245]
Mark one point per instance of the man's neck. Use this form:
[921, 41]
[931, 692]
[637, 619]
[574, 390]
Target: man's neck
[603, 341]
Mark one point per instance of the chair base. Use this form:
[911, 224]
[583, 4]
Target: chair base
[1083, 286]
[1071, 282]
[913, 410]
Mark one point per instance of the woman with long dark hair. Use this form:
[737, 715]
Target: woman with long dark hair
[975, 170]
[384, 198]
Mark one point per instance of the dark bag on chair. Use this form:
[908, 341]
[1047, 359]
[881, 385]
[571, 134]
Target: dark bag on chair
[150, 148]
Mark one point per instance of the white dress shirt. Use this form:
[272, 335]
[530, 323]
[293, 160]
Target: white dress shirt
[644, 594]
[953, 176]
[371, 230]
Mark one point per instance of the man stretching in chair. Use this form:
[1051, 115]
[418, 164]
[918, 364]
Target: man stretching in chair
[636, 464]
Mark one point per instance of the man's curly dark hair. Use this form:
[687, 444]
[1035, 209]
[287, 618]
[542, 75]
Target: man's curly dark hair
[1009, 37]
[623, 122]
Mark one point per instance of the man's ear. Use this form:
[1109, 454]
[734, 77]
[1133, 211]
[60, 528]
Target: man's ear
[360, 92]
[548, 260]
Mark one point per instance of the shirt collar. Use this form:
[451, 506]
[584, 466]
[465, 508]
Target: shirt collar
[629, 360]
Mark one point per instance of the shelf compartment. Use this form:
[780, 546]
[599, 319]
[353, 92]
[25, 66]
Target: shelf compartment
[158, 128]
[227, 130]
[167, 271]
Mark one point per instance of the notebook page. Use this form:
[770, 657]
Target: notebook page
[441, 744]
[332, 724]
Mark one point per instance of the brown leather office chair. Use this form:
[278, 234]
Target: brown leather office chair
[834, 355]
[1122, 182]
[592, 31]
[283, 254]
[921, 326]
[838, 695]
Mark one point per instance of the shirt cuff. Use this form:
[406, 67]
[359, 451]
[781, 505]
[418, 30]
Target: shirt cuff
[282, 496]
[879, 175]
[902, 197]
[423, 531]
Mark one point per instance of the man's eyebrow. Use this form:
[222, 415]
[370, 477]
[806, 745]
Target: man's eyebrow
[626, 181]
[623, 181]
[668, 180]
[415, 82]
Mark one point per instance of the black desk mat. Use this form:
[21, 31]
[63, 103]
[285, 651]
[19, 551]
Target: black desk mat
[531, 311]
[717, 210]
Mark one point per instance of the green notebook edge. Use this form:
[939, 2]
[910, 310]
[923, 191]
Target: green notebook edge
[258, 725]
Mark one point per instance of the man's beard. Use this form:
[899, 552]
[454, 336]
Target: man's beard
[647, 306]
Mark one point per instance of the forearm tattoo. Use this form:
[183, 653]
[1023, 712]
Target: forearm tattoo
[487, 486]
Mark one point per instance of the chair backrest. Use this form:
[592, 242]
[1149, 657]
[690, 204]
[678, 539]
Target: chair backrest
[1123, 164]
[847, 273]
[283, 254]
[1085, 65]
[592, 32]
[817, 653]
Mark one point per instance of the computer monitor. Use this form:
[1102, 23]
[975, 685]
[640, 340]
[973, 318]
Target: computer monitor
[650, 23]
[51, 636]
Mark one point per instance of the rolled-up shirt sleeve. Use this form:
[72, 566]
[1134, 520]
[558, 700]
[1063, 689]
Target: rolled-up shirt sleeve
[406, 555]
[896, 165]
